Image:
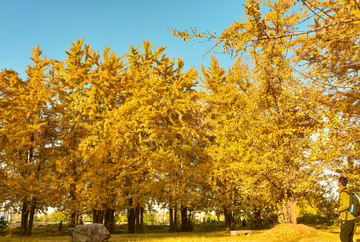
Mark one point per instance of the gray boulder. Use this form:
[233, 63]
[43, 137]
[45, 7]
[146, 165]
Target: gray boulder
[89, 233]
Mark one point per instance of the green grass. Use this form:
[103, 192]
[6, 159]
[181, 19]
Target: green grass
[159, 233]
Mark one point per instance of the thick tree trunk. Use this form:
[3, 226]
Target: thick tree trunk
[27, 217]
[95, 215]
[31, 218]
[171, 214]
[137, 218]
[175, 219]
[138, 215]
[289, 209]
[292, 208]
[142, 218]
[257, 219]
[79, 219]
[131, 220]
[73, 219]
[184, 218]
[98, 216]
[73, 201]
[228, 219]
[189, 225]
[24, 218]
[233, 221]
[110, 220]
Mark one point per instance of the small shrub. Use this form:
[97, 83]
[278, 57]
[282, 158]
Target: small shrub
[4, 226]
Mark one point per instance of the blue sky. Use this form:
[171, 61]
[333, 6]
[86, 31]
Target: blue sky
[54, 24]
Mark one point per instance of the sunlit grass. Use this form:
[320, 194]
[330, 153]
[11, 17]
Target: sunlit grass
[42, 234]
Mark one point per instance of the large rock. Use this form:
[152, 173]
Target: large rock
[89, 233]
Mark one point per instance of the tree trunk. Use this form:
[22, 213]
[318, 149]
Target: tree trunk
[257, 219]
[95, 215]
[233, 221]
[142, 218]
[110, 220]
[138, 226]
[189, 225]
[184, 218]
[24, 218]
[27, 217]
[289, 209]
[26, 210]
[227, 214]
[171, 214]
[175, 219]
[98, 216]
[131, 220]
[137, 218]
[31, 217]
[73, 219]
[101, 216]
[79, 218]
[72, 208]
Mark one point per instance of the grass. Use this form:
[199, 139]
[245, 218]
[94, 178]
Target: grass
[286, 233]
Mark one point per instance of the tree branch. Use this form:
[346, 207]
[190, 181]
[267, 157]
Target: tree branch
[313, 30]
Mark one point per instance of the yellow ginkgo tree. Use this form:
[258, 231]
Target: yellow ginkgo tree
[278, 115]
[153, 134]
[28, 137]
[330, 58]
[71, 82]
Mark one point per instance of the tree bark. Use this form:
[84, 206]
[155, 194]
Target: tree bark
[27, 217]
[98, 216]
[95, 215]
[227, 214]
[138, 215]
[189, 225]
[175, 219]
[142, 218]
[184, 218]
[131, 220]
[24, 217]
[289, 209]
[131, 217]
[171, 213]
[110, 220]
[31, 217]
[257, 219]
[73, 201]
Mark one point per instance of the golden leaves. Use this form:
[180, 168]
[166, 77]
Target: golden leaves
[109, 125]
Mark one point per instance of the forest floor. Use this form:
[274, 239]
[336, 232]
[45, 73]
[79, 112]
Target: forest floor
[284, 232]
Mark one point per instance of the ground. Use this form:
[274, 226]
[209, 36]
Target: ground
[203, 232]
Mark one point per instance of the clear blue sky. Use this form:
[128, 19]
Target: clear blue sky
[54, 24]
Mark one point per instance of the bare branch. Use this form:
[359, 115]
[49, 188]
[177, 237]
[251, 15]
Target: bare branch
[207, 52]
